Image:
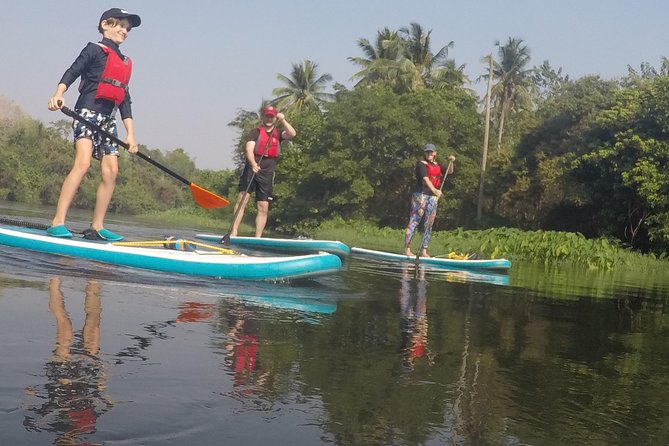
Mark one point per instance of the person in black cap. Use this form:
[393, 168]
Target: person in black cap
[426, 195]
[105, 73]
[262, 152]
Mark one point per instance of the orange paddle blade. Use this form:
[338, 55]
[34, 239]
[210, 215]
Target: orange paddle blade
[206, 199]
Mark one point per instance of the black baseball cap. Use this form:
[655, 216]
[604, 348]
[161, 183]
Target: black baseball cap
[118, 13]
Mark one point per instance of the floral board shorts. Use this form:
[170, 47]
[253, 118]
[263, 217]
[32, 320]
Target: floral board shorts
[101, 144]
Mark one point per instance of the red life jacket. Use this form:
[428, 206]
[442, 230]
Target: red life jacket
[274, 146]
[433, 173]
[113, 83]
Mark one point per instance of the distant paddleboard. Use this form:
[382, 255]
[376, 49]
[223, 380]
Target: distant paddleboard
[486, 264]
[302, 246]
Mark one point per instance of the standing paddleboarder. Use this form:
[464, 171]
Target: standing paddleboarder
[105, 73]
[425, 197]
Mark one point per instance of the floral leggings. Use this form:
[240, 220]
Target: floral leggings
[423, 207]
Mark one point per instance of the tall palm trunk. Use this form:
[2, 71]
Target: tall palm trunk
[501, 126]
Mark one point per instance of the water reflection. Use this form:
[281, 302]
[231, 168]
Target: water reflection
[74, 396]
[414, 321]
[196, 312]
[242, 357]
[240, 325]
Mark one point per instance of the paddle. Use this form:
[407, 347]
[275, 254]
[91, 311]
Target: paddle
[225, 240]
[203, 197]
[443, 180]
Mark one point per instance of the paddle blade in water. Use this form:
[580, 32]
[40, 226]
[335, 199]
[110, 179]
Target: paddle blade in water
[206, 199]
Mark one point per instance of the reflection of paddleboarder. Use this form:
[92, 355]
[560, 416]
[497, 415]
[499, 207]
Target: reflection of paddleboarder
[414, 324]
[73, 396]
[196, 312]
[242, 350]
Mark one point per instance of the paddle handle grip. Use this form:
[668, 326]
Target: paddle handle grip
[123, 144]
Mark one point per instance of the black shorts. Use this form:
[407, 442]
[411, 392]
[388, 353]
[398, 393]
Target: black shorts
[261, 183]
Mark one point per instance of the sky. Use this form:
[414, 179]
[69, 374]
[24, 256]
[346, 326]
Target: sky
[196, 63]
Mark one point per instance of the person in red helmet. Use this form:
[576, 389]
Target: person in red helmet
[263, 147]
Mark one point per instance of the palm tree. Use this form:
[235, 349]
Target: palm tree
[380, 58]
[304, 88]
[403, 59]
[513, 82]
[417, 50]
[448, 75]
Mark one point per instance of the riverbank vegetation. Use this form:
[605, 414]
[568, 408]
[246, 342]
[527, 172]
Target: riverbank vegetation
[547, 247]
[575, 169]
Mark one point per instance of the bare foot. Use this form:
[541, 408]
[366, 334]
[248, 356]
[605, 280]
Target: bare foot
[409, 253]
[424, 253]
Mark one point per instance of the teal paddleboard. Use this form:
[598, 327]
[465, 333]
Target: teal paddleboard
[282, 244]
[488, 264]
[210, 263]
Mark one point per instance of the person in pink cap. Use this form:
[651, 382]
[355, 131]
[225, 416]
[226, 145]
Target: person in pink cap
[105, 73]
[263, 147]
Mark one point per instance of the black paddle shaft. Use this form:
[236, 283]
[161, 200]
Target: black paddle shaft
[113, 138]
[450, 163]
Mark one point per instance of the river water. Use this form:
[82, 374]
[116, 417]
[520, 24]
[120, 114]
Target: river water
[376, 354]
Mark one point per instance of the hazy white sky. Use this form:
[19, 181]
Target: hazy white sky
[195, 63]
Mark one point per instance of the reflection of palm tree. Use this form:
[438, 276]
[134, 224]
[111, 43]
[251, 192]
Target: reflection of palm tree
[77, 377]
[463, 406]
[304, 88]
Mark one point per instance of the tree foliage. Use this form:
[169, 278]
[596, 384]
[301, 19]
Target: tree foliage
[404, 61]
[593, 163]
[303, 89]
[35, 159]
[361, 162]
[512, 82]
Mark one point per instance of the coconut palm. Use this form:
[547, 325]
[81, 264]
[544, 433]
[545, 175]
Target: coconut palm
[417, 50]
[448, 75]
[512, 87]
[403, 59]
[304, 88]
[380, 58]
